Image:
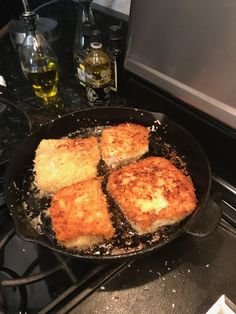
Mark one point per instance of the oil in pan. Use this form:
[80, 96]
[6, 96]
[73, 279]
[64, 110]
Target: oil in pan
[125, 240]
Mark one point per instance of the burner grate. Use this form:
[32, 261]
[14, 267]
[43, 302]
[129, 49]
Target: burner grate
[20, 296]
[62, 282]
[77, 278]
[227, 196]
[28, 271]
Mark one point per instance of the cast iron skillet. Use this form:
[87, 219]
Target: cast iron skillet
[167, 139]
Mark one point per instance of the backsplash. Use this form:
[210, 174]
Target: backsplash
[122, 6]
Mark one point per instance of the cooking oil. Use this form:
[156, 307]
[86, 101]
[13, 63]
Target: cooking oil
[43, 78]
[98, 76]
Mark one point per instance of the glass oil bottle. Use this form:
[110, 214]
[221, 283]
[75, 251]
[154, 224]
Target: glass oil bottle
[98, 76]
[39, 63]
[85, 27]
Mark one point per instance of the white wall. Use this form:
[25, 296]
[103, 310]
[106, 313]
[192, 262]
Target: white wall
[122, 6]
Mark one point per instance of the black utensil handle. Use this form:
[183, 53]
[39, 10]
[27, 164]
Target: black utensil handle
[207, 222]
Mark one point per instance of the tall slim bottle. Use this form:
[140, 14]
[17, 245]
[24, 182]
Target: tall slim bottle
[85, 27]
[98, 76]
[116, 54]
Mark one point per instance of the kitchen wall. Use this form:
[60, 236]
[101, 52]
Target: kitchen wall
[122, 6]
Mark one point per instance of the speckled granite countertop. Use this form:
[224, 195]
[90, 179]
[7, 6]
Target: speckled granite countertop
[14, 126]
[70, 91]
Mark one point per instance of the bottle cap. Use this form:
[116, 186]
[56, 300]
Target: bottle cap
[30, 19]
[87, 29]
[96, 45]
[96, 36]
[115, 32]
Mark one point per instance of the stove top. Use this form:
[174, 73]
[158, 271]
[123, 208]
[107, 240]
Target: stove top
[37, 280]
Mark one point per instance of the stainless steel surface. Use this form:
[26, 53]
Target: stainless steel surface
[188, 48]
[225, 185]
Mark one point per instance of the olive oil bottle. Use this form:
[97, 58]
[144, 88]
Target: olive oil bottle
[39, 63]
[44, 79]
[98, 76]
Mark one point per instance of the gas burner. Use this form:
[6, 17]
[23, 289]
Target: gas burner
[12, 300]
[33, 278]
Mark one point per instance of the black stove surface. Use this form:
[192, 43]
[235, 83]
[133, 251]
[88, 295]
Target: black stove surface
[32, 278]
[187, 276]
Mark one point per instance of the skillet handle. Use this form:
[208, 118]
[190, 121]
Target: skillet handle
[207, 222]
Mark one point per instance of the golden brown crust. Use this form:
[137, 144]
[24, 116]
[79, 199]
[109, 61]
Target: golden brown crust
[123, 143]
[61, 162]
[152, 192]
[80, 210]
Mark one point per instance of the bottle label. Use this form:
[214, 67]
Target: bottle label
[102, 77]
[113, 74]
[80, 69]
[81, 74]
[98, 96]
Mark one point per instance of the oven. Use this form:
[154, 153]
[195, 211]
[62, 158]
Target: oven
[189, 274]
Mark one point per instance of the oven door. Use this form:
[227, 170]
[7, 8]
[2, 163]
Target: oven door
[187, 49]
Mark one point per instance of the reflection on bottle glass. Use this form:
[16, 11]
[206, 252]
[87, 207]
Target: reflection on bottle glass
[43, 78]
[80, 74]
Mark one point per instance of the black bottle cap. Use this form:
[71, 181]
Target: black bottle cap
[115, 32]
[96, 36]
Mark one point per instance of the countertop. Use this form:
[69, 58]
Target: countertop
[72, 94]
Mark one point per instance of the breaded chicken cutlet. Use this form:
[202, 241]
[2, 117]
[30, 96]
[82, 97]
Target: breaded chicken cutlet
[152, 193]
[61, 162]
[80, 216]
[123, 143]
